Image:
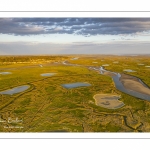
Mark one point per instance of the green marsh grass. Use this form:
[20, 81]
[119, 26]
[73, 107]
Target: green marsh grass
[48, 107]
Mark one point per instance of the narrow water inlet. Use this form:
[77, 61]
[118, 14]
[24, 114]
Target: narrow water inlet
[129, 84]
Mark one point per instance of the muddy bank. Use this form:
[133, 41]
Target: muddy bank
[133, 83]
[129, 84]
[108, 101]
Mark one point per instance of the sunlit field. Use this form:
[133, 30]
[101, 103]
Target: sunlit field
[46, 106]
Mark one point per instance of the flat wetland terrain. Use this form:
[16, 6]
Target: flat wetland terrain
[46, 106]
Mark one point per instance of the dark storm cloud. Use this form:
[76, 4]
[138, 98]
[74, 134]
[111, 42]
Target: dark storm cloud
[79, 26]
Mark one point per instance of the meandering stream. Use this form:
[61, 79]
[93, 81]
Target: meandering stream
[138, 88]
[134, 92]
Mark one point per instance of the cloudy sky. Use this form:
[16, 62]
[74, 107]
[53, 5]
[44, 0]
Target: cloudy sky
[20, 36]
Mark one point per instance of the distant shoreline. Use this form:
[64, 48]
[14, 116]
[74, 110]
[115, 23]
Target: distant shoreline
[131, 55]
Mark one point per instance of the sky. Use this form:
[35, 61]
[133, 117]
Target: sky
[45, 36]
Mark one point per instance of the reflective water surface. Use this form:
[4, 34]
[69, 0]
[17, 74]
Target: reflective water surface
[15, 90]
[75, 85]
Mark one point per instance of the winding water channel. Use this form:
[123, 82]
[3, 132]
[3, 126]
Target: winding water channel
[136, 91]
[125, 83]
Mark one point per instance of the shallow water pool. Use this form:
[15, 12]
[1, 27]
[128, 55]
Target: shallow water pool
[15, 90]
[129, 70]
[5, 73]
[47, 74]
[75, 85]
